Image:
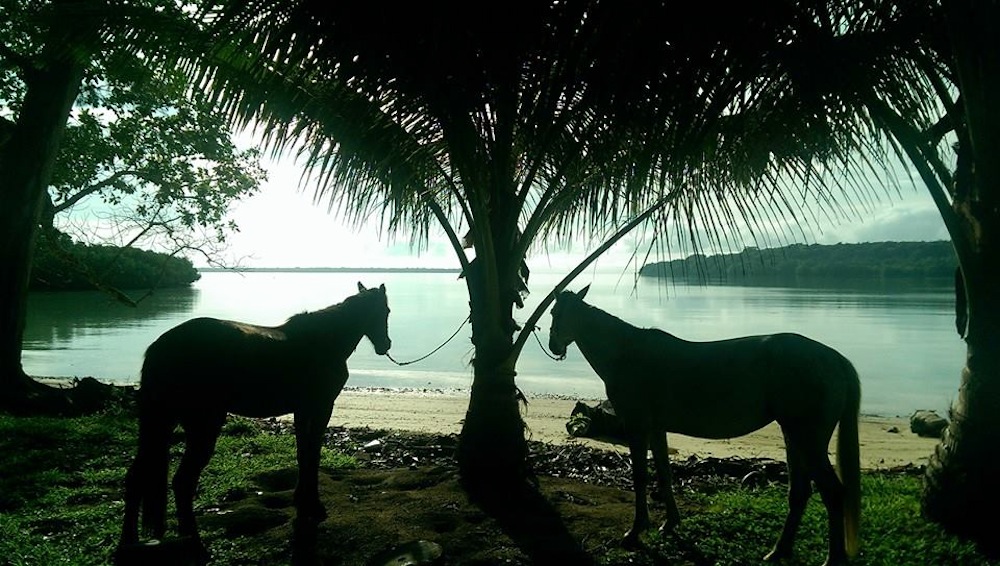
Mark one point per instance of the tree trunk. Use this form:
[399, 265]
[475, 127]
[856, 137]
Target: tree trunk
[961, 482]
[492, 451]
[26, 162]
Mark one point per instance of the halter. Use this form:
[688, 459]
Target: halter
[544, 349]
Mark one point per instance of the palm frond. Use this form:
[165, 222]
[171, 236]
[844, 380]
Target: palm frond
[555, 119]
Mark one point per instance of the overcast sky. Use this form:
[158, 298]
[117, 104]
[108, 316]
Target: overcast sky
[282, 227]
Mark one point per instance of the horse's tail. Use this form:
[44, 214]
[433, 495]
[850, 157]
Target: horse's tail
[849, 461]
[146, 479]
[154, 483]
[151, 466]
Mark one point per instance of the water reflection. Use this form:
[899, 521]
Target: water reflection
[88, 333]
[57, 318]
[883, 294]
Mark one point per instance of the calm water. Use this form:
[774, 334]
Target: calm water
[903, 343]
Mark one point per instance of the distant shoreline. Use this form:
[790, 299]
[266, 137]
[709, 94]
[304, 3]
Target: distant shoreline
[874, 261]
[328, 270]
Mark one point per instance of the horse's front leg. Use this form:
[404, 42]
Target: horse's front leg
[638, 444]
[309, 427]
[664, 492]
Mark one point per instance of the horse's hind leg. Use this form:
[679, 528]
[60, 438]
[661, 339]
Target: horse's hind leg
[638, 445]
[664, 490]
[133, 499]
[146, 479]
[200, 436]
[832, 491]
[799, 490]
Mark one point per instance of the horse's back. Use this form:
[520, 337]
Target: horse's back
[727, 388]
[806, 380]
[202, 340]
[206, 353]
[207, 364]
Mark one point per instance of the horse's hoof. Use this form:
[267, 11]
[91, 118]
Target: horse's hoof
[202, 555]
[181, 551]
[836, 561]
[631, 540]
[777, 555]
[668, 527]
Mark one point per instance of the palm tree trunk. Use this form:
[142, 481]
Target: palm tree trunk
[961, 487]
[26, 162]
[492, 451]
[961, 480]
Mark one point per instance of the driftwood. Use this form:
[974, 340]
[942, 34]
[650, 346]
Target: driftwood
[599, 422]
[927, 423]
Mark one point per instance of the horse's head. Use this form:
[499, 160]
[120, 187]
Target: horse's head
[564, 316]
[376, 324]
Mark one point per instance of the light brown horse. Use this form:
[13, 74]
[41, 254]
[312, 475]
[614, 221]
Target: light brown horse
[659, 383]
[201, 370]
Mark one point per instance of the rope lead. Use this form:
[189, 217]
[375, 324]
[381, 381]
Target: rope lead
[434, 351]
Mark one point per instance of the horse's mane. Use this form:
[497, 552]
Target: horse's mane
[310, 320]
[607, 317]
[607, 324]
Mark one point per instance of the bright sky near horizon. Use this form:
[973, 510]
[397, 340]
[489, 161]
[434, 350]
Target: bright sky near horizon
[282, 227]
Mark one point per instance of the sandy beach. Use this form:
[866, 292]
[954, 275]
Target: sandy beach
[885, 441]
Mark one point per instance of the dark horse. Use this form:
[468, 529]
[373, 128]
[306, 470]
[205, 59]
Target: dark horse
[659, 383]
[199, 371]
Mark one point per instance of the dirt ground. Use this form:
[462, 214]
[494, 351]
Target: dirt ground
[375, 512]
[406, 500]
[408, 491]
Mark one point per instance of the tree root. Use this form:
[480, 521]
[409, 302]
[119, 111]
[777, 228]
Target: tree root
[28, 397]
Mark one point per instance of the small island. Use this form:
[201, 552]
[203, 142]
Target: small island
[62, 264]
[875, 261]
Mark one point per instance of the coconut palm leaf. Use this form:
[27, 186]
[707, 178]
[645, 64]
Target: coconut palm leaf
[574, 116]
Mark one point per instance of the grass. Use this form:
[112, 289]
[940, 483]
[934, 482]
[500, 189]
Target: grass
[61, 482]
[736, 526]
[61, 503]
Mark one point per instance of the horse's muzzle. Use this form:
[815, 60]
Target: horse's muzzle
[383, 349]
[557, 349]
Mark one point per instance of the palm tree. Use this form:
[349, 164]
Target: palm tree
[956, 159]
[547, 120]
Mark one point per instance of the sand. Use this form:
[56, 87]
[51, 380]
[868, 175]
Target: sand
[886, 442]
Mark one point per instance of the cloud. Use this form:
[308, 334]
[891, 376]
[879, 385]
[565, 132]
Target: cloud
[911, 221]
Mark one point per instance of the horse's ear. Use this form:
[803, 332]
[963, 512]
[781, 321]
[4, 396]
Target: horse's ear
[382, 287]
[583, 292]
[361, 288]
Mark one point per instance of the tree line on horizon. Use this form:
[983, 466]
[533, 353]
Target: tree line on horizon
[868, 261]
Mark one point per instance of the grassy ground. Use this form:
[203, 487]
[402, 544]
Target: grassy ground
[61, 503]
